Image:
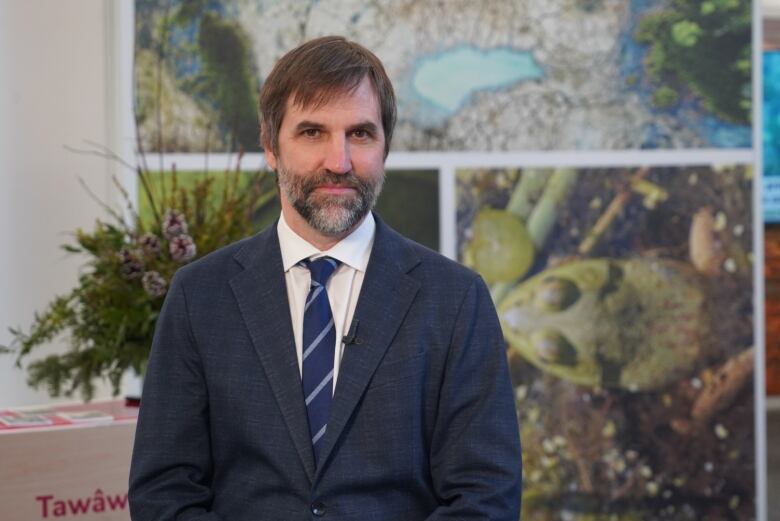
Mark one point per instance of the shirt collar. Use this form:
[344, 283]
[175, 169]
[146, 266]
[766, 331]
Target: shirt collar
[353, 250]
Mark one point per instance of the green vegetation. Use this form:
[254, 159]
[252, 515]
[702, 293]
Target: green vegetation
[665, 97]
[209, 59]
[210, 189]
[704, 47]
[108, 318]
[686, 33]
[228, 79]
[410, 203]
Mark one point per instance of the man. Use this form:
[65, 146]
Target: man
[252, 409]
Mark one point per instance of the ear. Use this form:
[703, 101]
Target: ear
[268, 151]
[270, 157]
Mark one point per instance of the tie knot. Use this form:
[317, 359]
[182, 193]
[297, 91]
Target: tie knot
[321, 269]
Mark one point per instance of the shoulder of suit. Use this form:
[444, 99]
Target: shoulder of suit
[417, 258]
[219, 261]
[435, 265]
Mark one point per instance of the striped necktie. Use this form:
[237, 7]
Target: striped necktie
[319, 345]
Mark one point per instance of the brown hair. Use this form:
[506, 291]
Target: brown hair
[313, 74]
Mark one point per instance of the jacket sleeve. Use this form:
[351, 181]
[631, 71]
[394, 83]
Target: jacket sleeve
[171, 466]
[475, 448]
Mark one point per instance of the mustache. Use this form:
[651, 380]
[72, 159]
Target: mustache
[348, 180]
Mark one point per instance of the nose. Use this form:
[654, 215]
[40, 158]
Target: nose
[338, 158]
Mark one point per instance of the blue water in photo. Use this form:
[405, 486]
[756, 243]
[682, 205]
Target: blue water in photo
[771, 113]
[771, 136]
[715, 131]
[448, 79]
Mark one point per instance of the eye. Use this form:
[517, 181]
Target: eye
[361, 134]
[311, 132]
[556, 294]
[552, 347]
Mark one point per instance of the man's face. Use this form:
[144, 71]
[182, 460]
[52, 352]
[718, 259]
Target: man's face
[330, 161]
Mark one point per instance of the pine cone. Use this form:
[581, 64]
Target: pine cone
[183, 248]
[150, 244]
[131, 262]
[154, 284]
[174, 224]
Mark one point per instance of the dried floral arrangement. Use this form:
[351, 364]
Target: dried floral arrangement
[110, 316]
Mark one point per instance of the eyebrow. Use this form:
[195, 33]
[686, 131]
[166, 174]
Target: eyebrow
[303, 125]
[366, 125]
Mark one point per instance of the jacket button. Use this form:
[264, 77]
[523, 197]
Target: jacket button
[318, 509]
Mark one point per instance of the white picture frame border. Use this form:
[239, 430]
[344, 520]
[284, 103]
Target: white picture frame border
[122, 140]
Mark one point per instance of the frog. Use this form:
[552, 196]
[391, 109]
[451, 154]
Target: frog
[636, 323]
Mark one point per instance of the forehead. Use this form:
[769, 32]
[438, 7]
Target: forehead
[360, 103]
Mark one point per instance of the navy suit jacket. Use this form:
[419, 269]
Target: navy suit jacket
[422, 425]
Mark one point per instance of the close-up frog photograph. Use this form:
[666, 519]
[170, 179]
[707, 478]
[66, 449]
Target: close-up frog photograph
[629, 321]
[390, 260]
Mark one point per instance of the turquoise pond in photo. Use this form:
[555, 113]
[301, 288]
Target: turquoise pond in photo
[771, 136]
[449, 78]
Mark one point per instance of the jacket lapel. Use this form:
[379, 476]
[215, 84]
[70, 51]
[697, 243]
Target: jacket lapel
[385, 297]
[261, 293]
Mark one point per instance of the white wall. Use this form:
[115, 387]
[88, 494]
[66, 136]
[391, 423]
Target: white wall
[54, 91]
[770, 8]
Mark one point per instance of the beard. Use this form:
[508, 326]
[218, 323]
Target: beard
[330, 214]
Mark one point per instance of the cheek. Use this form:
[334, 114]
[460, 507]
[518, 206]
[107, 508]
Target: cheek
[300, 161]
[368, 162]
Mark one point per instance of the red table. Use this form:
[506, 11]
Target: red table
[67, 469]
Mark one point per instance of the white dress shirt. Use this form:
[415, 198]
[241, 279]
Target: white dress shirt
[343, 286]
